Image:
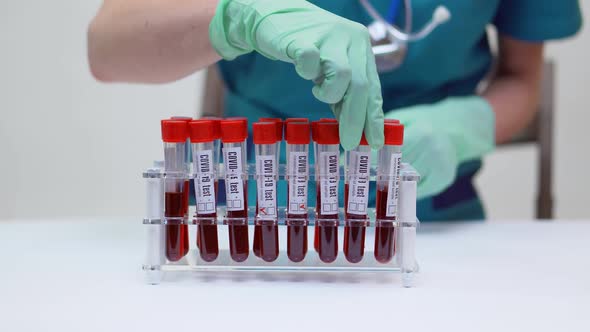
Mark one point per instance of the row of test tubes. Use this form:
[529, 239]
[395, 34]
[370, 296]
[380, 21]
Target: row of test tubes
[205, 137]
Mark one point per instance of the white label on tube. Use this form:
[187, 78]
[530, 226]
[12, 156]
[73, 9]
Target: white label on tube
[234, 185]
[205, 182]
[298, 172]
[329, 169]
[267, 186]
[358, 182]
[393, 188]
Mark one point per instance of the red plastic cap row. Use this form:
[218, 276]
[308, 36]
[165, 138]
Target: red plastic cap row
[234, 130]
[394, 133]
[216, 125]
[202, 131]
[332, 120]
[181, 118]
[289, 120]
[265, 132]
[278, 126]
[324, 132]
[297, 132]
[174, 131]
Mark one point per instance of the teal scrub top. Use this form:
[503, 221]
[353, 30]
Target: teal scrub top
[449, 62]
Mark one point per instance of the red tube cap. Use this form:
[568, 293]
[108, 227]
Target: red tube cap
[265, 132]
[174, 131]
[216, 125]
[289, 120]
[394, 133]
[202, 131]
[297, 120]
[332, 120]
[278, 124]
[238, 118]
[297, 132]
[325, 132]
[391, 121]
[182, 118]
[363, 140]
[234, 131]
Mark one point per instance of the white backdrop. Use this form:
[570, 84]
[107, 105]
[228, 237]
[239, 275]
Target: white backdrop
[72, 147]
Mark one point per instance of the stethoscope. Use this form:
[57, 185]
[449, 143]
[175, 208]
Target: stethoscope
[390, 43]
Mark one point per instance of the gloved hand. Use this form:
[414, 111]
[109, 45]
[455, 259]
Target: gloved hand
[332, 51]
[439, 137]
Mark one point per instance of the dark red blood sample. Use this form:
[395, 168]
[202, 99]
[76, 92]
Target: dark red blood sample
[269, 241]
[384, 232]
[238, 232]
[354, 243]
[328, 243]
[296, 242]
[209, 247]
[238, 242]
[257, 240]
[174, 243]
[207, 234]
[326, 236]
[297, 236]
[210, 215]
[354, 234]
[184, 228]
[266, 240]
[316, 238]
[175, 234]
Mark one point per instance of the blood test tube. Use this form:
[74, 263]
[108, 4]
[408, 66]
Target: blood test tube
[265, 146]
[314, 131]
[388, 173]
[186, 186]
[297, 134]
[326, 147]
[216, 153]
[233, 135]
[203, 136]
[174, 135]
[356, 199]
[278, 123]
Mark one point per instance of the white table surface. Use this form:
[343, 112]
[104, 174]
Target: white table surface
[84, 275]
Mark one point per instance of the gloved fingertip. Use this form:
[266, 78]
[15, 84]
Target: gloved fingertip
[347, 146]
[377, 142]
[325, 96]
[346, 142]
[316, 91]
[308, 63]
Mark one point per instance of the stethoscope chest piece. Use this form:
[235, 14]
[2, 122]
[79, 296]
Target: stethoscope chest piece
[389, 52]
[389, 43]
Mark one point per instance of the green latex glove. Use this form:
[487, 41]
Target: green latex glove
[439, 137]
[330, 50]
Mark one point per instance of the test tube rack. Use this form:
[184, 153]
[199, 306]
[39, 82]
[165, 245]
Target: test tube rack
[156, 264]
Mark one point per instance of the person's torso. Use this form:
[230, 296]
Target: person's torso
[451, 61]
